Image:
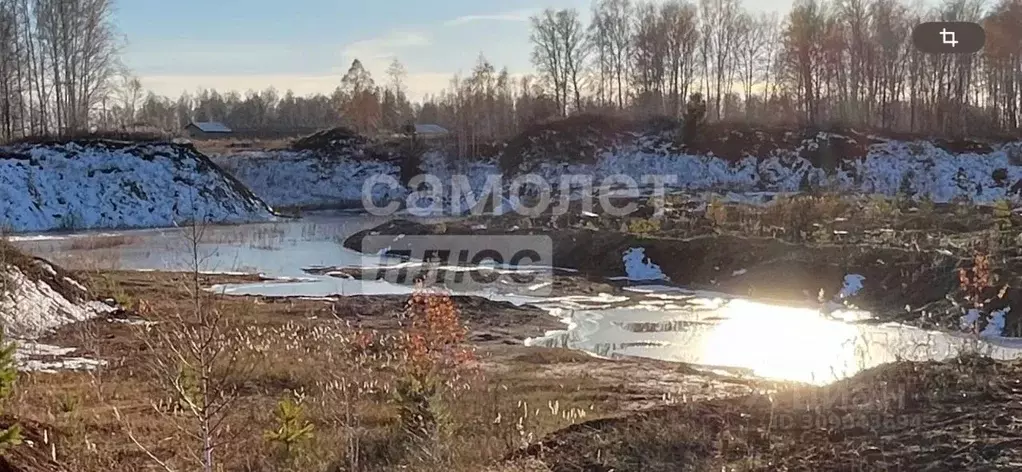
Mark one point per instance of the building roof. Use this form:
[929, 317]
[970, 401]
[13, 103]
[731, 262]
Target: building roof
[210, 126]
[430, 129]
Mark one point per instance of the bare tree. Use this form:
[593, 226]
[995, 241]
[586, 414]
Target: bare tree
[682, 35]
[598, 44]
[549, 54]
[396, 73]
[361, 103]
[198, 356]
[719, 31]
[752, 47]
[77, 37]
[615, 19]
[802, 37]
[650, 59]
[572, 38]
[129, 93]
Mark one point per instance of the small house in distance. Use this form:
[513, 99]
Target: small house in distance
[423, 131]
[430, 131]
[207, 130]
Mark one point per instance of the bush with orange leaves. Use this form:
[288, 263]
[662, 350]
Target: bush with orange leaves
[976, 280]
[434, 342]
[976, 284]
[434, 360]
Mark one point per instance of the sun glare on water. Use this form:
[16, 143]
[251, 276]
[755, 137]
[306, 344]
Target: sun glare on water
[786, 343]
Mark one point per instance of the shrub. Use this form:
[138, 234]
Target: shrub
[433, 352]
[8, 374]
[68, 403]
[695, 116]
[976, 280]
[1003, 222]
[716, 212]
[644, 226]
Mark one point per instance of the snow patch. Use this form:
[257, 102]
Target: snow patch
[994, 323]
[45, 358]
[639, 268]
[852, 286]
[31, 308]
[36, 308]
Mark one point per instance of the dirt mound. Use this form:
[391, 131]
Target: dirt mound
[33, 454]
[905, 416]
[345, 142]
[339, 138]
[575, 139]
[581, 139]
[41, 271]
[135, 136]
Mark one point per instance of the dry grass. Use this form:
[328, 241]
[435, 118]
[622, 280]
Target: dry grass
[345, 375]
[89, 243]
[211, 147]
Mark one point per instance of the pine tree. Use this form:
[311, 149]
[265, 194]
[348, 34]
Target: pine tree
[292, 428]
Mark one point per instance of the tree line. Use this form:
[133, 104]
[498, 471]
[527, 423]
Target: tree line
[846, 62]
[57, 58]
[850, 62]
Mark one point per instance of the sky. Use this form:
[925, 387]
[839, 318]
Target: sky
[308, 45]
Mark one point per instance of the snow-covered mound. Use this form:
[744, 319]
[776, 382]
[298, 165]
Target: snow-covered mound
[116, 184]
[304, 178]
[37, 297]
[789, 162]
[308, 179]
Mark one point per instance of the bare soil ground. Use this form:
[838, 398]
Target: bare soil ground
[213, 147]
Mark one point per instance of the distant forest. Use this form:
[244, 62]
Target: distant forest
[848, 62]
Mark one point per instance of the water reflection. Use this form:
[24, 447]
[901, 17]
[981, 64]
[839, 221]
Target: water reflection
[789, 343]
[279, 249]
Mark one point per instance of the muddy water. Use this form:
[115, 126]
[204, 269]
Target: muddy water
[665, 323]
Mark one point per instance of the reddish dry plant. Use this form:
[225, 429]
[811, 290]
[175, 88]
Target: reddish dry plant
[435, 339]
[976, 280]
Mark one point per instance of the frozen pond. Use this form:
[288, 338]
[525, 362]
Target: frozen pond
[665, 323]
[281, 251]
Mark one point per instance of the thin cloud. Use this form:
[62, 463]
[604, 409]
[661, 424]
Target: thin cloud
[517, 15]
[385, 46]
[418, 84]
